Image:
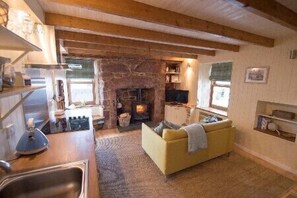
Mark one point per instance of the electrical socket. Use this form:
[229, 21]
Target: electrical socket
[9, 134]
[9, 130]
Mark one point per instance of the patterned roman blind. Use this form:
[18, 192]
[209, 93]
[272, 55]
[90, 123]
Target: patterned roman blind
[86, 72]
[221, 71]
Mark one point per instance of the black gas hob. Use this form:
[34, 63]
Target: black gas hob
[79, 123]
[74, 123]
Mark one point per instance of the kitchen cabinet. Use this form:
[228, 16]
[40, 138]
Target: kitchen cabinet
[177, 114]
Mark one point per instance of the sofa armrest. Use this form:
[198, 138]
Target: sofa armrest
[155, 146]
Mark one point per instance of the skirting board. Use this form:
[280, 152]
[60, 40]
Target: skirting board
[269, 161]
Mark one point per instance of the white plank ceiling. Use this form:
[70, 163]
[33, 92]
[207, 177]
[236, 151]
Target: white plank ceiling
[217, 11]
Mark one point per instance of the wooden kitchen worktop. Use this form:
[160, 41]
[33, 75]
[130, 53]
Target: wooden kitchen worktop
[65, 148]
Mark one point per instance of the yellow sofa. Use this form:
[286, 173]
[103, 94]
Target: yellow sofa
[170, 152]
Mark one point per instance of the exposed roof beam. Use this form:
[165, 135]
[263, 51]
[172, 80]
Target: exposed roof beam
[120, 30]
[112, 41]
[118, 49]
[165, 58]
[271, 10]
[130, 53]
[141, 11]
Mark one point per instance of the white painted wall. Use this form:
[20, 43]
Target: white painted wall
[281, 88]
[204, 85]
[188, 78]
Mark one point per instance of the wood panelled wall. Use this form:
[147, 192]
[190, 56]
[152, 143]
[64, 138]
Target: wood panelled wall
[8, 141]
[281, 88]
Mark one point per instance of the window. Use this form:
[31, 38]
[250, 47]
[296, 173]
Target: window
[220, 78]
[219, 94]
[80, 82]
[81, 91]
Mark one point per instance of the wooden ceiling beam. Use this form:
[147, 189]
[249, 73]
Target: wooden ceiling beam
[131, 53]
[271, 10]
[144, 12]
[117, 49]
[165, 58]
[131, 32]
[112, 41]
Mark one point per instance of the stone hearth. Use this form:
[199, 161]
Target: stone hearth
[130, 73]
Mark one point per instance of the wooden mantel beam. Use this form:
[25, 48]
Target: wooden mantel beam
[141, 11]
[131, 32]
[112, 41]
[271, 10]
[127, 53]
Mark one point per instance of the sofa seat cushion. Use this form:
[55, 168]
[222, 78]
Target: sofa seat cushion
[174, 134]
[216, 125]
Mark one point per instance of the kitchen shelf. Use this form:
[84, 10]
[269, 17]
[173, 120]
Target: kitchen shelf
[283, 135]
[11, 41]
[15, 91]
[18, 90]
[280, 119]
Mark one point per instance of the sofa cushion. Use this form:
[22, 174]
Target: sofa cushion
[159, 129]
[165, 125]
[174, 134]
[209, 119]
[171, 125]
[216, 125]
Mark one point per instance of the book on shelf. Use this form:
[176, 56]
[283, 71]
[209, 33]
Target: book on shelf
[263, 122]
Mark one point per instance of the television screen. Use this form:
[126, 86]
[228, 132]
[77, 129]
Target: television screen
[179, 96]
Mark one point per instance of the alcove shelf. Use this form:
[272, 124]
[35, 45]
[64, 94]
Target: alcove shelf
[283, 135]
[172, 74]
[286, 127]
[280, 119]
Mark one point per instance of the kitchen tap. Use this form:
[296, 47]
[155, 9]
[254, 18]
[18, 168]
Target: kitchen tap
[5, 166]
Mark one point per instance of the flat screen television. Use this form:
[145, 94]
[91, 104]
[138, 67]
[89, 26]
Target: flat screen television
[176, 96]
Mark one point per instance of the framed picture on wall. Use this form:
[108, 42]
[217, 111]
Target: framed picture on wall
[256, 75]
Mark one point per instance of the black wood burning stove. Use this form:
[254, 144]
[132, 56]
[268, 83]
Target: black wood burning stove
[140, 109]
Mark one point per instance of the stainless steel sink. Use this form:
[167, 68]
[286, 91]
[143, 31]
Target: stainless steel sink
[63, 181]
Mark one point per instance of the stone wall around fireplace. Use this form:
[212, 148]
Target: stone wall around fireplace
[130, 73]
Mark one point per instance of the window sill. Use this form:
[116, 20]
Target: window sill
[213, 110]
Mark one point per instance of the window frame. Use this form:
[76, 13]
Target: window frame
[92, 82]
[212, 85]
